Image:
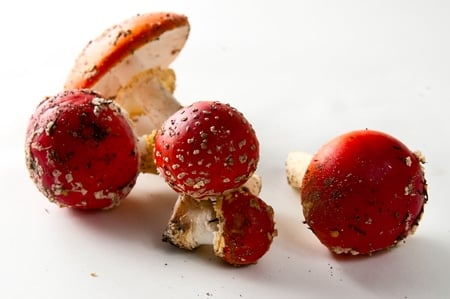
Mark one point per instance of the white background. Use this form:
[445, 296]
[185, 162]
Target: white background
[302, 72]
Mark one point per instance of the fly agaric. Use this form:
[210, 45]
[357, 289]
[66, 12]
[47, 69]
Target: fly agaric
[81, 151]
[129, 62]
[238, 224]
[208, 152]
[206, 149]
[363, 191]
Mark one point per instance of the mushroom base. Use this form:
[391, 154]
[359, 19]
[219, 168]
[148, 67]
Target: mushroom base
[193, 223]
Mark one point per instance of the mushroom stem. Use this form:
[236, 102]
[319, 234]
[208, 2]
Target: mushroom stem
[145, 145]
[194, 222]
[148, 99]
[296, 164]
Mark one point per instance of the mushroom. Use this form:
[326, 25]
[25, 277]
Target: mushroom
[81, 151]
[362, 192]
[208, 153]
[238, 224]
[206, 149]
[129, 62]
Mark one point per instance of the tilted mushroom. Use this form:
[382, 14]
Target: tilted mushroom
[130, 61]
[143, 42]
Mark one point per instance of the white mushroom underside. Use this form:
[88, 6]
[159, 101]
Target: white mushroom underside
[158, 53]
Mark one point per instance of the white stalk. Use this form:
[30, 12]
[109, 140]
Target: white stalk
[296, 164]
[194, 222]
[148, 99]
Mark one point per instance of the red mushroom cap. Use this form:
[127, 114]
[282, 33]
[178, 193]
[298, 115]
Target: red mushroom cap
[363, 191]
[143, 42]
[81, 151]
[246, 228]
[206, 149]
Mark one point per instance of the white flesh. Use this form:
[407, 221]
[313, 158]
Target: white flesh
[254, 184]
[148, 102]
[152, 55]
[194, 222]
[296, 164]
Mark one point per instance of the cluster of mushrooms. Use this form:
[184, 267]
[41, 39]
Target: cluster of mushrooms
[117, 117]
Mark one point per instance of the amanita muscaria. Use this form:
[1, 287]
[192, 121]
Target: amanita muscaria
[208, 153]
[117, 117]
[361, 192]
[81, 151]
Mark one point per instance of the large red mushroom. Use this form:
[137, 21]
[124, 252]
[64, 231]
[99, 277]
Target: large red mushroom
[81, 151]
[363, 192]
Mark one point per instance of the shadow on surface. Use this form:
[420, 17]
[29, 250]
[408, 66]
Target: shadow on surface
[416, 269]
[141, 217]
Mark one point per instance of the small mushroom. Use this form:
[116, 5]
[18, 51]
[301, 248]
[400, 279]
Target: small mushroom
[239, 225]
